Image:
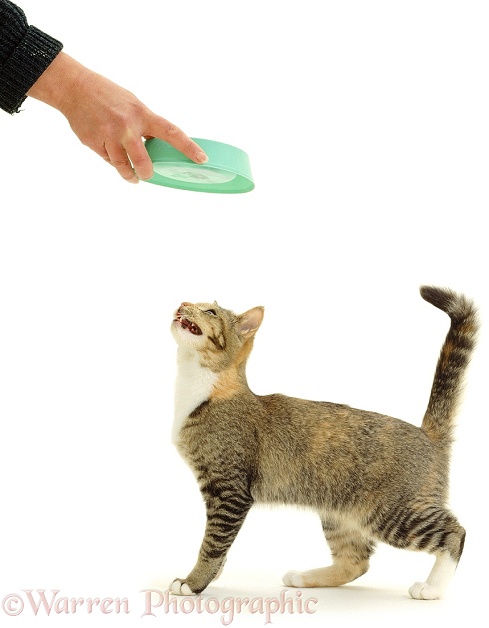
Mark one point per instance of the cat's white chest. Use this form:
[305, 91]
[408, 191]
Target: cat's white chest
[193, 386]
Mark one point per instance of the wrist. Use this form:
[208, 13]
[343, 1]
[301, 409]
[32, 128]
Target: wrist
[58, 83]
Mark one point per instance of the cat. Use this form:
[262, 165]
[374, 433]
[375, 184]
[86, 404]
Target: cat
[370, 477]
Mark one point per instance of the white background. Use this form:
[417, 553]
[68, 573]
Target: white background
[367, 131]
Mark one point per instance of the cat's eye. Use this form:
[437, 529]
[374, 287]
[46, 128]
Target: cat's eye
[213, 312]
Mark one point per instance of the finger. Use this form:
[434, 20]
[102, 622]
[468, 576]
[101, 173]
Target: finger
[101, 152]
[137, 153]
[119, 159]
[177, 138]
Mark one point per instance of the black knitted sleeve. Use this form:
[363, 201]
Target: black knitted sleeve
[25, 52]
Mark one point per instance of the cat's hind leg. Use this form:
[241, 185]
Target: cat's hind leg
[431, 529]
[438, 580]
[448, 552]
[350, 551]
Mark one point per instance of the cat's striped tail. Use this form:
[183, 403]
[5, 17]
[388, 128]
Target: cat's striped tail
[438, 421]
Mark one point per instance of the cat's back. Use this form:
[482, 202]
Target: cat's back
[330, 430]
[308, 413]
[325, 445]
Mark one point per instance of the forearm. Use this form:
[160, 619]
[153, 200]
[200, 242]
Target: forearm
[25, 53]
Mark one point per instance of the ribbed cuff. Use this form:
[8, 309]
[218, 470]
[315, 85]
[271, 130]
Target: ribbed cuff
[29, 60]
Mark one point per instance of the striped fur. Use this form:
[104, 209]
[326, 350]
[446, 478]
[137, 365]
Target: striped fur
[371, 478]
[452, 363]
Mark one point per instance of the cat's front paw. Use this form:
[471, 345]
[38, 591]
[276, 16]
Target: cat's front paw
[180, 587]
[293, 579]
[424, 591]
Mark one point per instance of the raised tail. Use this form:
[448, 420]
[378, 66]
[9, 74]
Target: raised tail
[455, 354]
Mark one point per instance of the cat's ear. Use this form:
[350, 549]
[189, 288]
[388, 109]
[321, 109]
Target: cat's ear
[249, 322]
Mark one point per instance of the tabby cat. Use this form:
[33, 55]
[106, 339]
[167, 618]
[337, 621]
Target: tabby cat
[370, 477]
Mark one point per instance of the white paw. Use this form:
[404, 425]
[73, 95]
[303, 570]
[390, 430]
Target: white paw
[180, 588]
[424, 591]
[293, 579]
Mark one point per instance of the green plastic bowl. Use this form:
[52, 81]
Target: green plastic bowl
[227, 171]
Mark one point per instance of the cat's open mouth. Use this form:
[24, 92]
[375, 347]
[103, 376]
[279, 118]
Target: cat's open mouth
[189, 326]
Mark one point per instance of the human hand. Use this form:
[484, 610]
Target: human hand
[109, 119]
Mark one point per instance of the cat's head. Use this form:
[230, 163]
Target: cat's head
[218, 336]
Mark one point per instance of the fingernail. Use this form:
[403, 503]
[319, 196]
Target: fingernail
[201, 157]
